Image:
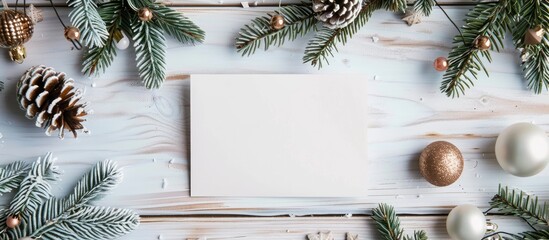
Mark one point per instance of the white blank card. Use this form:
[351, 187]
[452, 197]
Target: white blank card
[278, 135]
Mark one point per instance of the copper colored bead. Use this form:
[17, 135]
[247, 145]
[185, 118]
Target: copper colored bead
[440, 64]
[12, 221]
[145, 14]
[277, 22]
[534, 36]
[441, 163]
[72, 33]
[483, 43]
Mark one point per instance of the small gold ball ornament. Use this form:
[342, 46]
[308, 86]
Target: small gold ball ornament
[483, 43]
[277, 22]
[145, 14]
[16, 29]
[441, 64]
[441, 163]
[12, 222]
[72, 33]
[534, 36]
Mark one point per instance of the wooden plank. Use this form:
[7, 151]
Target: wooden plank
[134, 126]
[291, 228]
[225, 3]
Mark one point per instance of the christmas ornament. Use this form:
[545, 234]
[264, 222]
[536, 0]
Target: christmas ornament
[121, 41]
[483, 43]
[13, 222]
[336, 13]
[51, 98]
[466, 222]
[72, 33]
[441, 163]
[411, 16]
[26, 238]
[16, 29]
[441, 64]
[534, 36]
[145, 14]
[522, 149]
[277, 22]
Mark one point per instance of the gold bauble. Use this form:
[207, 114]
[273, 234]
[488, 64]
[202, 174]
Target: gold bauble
[72, 33]
[483, 43]
[534, 36]
[277, 22]
[16, 29]
[12, 222]
[145, 14]
[441, 163]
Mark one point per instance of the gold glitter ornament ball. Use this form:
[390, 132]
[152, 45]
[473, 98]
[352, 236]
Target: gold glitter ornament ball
[441, 163]
[16, 29]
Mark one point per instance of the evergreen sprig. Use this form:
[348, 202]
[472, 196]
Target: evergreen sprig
[86, 18]
[177, 25]
[490, 19]
[150, 50]
[71, 217]
[388, 225]
[11, 176]
[299, 20]
[520, 204]
[424, 6]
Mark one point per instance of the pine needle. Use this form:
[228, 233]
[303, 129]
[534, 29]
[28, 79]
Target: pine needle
[85, 17]
[520, 204]
[388, 225]
[424, 6]
[177, 25]
[150, 51]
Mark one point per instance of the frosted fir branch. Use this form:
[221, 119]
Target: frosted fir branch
[11, 176]
[85, 16]
[150, 51]
[177, 25]
[425, 7]
[103, 177]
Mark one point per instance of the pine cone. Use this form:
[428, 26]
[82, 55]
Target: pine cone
[51, 97]
[336, 13]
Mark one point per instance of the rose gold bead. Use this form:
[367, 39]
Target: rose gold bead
[440, 64]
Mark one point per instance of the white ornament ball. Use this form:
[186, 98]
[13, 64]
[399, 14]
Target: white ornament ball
[26, 238]
[466, 222]
[123, 43]
[522, 149]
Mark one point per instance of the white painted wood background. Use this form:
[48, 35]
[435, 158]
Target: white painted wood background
[134, 126]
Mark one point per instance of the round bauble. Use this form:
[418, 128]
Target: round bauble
[121, 41]
[277, 22]
[441, 163]
[12, 221]
[441, 64]
[522, 149]
[16, 29]
[466, 222]
[483, 43]
[26, 238]
[145, 14]
[72, 33]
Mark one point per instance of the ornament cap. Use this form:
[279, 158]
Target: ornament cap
[145, 14]
[18, 54]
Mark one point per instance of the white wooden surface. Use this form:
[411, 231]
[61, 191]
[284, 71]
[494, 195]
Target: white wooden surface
[135, 126]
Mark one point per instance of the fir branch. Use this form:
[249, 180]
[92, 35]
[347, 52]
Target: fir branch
[98, 59]
[177, 25]
[103, 177]
[299, 20]
[324, 44]
[388, 225]
[84, 16]
[35, 187]
[150, 49]
[418, 235]
[11, 176]
[424, 6]
[90, 222]
[521, 205]
[535, 235]
[485, 19]
[536, 65]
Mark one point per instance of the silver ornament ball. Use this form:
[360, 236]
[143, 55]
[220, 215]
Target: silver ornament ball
[466, 222]
[123, 43]
[522, 149]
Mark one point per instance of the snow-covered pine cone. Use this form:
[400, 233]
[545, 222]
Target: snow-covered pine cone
[51, 98]
[336, 13]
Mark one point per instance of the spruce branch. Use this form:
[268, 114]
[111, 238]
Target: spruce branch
[150, 49]
[485, 19]
[11, 176]
[424, 6]
[324, 44]
[177, 25]
[35, 187]
[103, 177]
[388, 224]
[299, 20]
[84, 16]
[520, 204]
[534, 235]
[98, 59]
